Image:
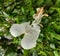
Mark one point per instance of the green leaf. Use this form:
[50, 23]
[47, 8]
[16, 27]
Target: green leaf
[42, 53]
[56, 53]
[54, 35]
[11, 54]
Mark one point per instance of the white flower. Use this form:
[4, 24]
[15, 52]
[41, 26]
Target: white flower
[31, 33]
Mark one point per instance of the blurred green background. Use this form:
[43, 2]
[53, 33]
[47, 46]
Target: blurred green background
[19, 11]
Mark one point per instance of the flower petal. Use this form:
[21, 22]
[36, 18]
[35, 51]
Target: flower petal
[36, 26]
[34, 33]
[18, 29]
[8, 36]
[27, 42]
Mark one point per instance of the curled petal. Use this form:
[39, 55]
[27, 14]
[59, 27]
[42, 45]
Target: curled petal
[18, 29]
[27, 42]
[39, 13]
[8, 36]
[40, 10]
[45, 15]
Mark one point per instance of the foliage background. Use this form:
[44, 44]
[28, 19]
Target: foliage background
[19, 11]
